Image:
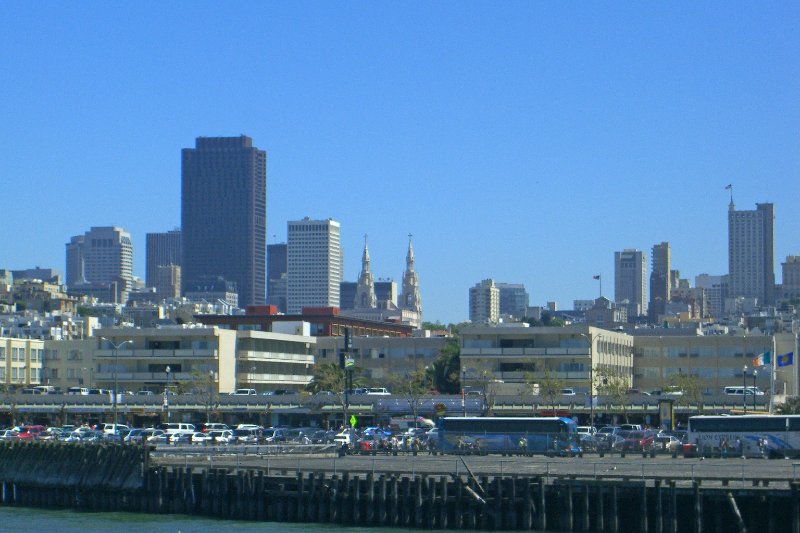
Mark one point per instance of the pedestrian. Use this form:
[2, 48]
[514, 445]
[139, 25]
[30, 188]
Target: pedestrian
[724, 448]
[739, 448]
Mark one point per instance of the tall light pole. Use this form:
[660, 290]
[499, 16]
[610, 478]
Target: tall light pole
[463, 391]
[744, 388]
[755, 373]
[210, 393]
[166, 392]
[116, 348]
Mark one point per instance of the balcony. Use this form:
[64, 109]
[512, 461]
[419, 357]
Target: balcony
[158, 354]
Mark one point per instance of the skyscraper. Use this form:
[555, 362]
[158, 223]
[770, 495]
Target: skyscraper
[751, 259]
[630, 268]
[163, 249]
[224, 215]
[101, 255]
[277, 276]
[659, 280]
[314, 264]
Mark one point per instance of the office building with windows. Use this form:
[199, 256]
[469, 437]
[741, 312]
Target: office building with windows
[314, 264]
[630, 286]
[224, 215]
[277, 280]
[751, 259]
[163, 250]
[484, 302]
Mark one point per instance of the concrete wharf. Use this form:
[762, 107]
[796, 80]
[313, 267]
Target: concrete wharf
[587, 493]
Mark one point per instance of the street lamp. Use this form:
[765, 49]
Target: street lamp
[744, 388]
[463, 391]
[116, 348]
[210, 393]
[166, 392]
[755, 373]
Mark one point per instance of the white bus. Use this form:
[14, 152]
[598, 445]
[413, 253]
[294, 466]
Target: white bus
[780, 432]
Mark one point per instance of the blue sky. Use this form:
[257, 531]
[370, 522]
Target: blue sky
[522, 141]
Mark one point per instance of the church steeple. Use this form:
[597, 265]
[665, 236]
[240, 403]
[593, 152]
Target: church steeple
[365, 291]
[411, 299]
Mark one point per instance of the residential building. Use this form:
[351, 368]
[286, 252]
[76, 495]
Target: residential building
[751, 253]
[714, 287]
[21, 362]
[50, 275]
[484, 303]
[224, 215]
[630, 288]
[514, 299]
[163, 250]
[277, 276]
[314, 264]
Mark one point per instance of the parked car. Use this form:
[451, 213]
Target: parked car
[222, 436]
[212, 426]
[638, 441]
[8, 434]
[110, 428]
[666, 443]
[144, 393]
[200, 437]
[246, 436]
[30, 432]
[244, 392]
[274, 435]
[568, 392]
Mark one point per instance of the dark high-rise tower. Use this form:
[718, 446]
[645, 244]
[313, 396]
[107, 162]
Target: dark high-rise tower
[163, 249]
[224, 215]
[276, 275]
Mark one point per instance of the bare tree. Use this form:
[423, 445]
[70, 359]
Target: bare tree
[413, 386]
[614, 385]
[550, 387]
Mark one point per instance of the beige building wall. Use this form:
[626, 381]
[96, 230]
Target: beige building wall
[21, 361]
[383, 358]
[717, 360]
[268, 361]
[574, 354]
[69, 363]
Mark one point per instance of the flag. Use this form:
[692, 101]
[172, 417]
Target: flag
[729, 187]
[786, 359]
[762, 359]
[596, 277]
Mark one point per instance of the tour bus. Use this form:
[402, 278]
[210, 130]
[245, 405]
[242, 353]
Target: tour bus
[748, 435]
[549, 435]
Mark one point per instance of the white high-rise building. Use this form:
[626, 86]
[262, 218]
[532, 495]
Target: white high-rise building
[484, 303]
[314, 264]
[751, 259]
[101, 255]
[630, 273]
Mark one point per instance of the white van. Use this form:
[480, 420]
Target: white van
[404, 423]
[82, 391]
[741, 391]
[46, 389]
[244, 392]
[377, 391]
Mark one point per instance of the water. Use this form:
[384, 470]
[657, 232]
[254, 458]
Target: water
[65, 521]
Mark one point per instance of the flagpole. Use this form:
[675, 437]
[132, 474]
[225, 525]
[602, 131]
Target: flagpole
[772, 364]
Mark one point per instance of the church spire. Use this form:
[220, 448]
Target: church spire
[365, 291]
[411, 298]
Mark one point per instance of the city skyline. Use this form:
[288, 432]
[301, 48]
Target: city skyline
[522, 143]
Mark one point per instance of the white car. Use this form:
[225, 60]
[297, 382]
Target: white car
[202, 438]
[224, 436]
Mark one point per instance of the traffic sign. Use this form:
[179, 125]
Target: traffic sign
[353, 420]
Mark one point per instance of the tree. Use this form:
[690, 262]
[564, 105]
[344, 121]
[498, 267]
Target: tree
[413, 386]
[9, 397]
[330, 377]
[614, 384]
[790, 407]
[689, 387]
[550, 386]
[446, 368]
[202, 385]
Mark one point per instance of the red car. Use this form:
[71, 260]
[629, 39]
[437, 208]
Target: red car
[30, 432]
[638, 441]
